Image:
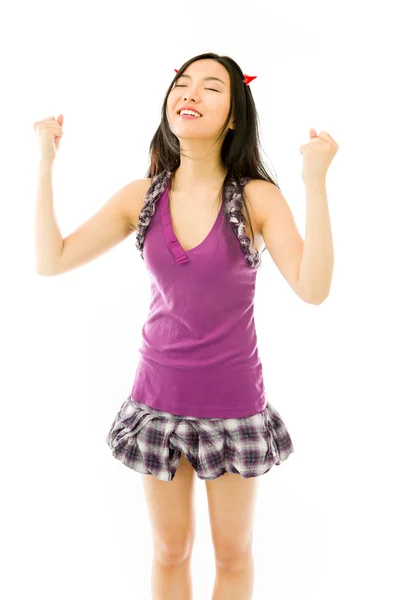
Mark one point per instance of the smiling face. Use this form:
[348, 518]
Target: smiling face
[205, 88]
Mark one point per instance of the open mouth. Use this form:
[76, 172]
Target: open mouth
[186, 116]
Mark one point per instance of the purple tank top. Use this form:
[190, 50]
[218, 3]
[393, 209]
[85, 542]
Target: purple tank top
[199, 354]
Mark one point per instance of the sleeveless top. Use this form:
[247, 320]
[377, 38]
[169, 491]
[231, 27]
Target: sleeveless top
[199, 355]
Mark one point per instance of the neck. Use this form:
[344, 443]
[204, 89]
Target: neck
[198, 174]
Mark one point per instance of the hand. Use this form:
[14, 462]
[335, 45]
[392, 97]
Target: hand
[317, 156]
[49, 133]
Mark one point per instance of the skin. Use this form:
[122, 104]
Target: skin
[201, 167]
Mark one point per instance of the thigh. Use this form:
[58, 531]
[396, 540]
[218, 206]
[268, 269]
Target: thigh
[232, 504]
[171, 508]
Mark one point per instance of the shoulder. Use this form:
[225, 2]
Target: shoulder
[261, 195]
[259, 188]
[135, 199]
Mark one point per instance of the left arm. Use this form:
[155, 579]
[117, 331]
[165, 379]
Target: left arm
[306, 265]
[316, 267]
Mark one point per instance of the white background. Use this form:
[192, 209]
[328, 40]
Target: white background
[73, 519]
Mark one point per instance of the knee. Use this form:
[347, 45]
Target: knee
[173, 554]
[234, 560]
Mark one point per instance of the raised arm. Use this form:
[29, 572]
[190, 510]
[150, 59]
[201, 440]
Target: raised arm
[114, 222]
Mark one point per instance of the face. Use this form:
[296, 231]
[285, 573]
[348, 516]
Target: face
[209, 97]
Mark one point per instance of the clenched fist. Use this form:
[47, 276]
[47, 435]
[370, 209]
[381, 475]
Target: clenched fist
[49, 133]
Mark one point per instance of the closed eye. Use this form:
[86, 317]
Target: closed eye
[212, 89]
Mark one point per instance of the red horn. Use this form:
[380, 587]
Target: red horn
[249, 78]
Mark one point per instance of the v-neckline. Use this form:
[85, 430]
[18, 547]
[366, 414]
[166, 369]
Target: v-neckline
[171, 239]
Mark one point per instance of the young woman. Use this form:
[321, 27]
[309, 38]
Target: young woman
[198, 404]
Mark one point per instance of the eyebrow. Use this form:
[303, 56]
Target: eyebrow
[205, 78]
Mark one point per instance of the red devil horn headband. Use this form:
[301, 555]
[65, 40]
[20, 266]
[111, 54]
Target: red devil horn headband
[247, 78]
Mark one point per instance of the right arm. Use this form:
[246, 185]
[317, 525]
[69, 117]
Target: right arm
[109, 226]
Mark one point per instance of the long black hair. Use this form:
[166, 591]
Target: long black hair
[240, 153]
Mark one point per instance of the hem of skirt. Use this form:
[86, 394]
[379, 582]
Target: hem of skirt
[221, 473]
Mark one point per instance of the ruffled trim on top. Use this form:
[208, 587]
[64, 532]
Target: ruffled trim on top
[233, 204]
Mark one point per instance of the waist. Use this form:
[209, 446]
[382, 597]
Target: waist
[217, 392]
[177, 344]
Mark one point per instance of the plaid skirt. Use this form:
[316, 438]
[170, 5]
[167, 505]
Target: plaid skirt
[151, 441]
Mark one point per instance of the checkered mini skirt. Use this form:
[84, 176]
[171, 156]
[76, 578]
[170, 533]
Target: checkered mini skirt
[151, 441]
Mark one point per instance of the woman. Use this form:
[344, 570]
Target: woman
[198, 404]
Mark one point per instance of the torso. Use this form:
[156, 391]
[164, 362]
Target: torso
[193, 216]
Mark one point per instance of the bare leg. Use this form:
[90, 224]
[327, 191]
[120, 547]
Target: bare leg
[171, 580]
[171, 506]
[235, 582]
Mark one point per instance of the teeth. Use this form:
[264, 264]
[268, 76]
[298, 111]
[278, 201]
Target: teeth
[189, 112]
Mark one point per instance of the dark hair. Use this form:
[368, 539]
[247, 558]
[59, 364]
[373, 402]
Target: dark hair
[240, 153]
